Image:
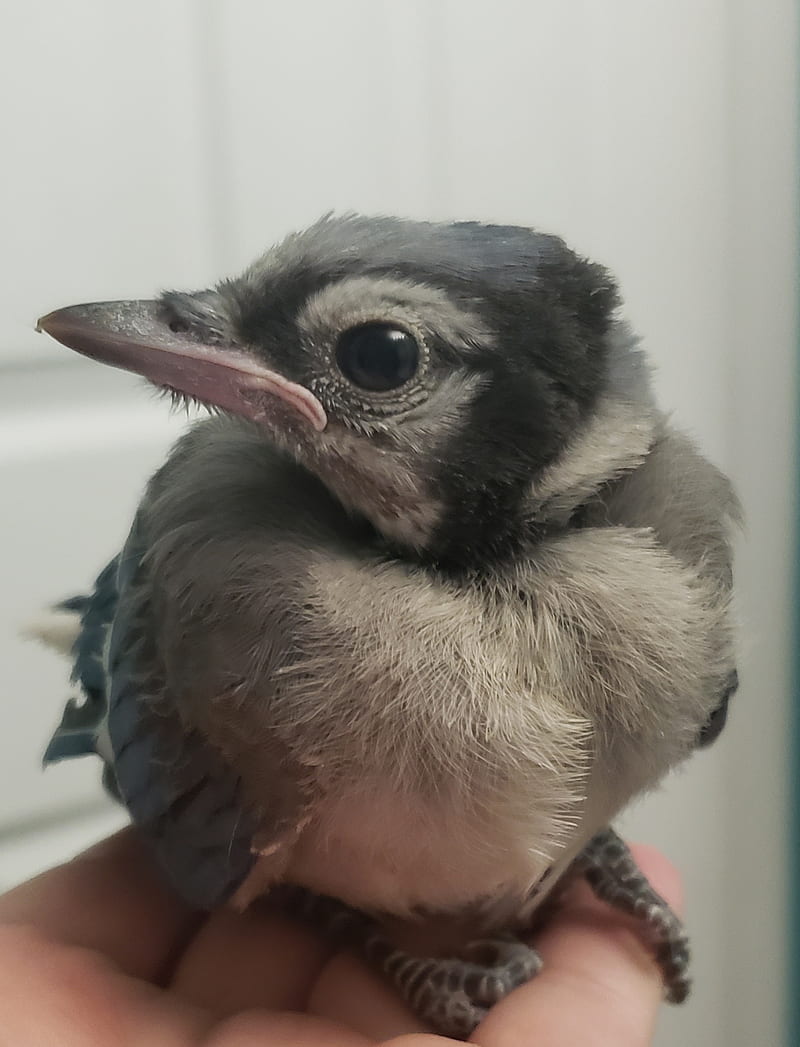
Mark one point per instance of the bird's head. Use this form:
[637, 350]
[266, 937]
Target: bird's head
[457, 384]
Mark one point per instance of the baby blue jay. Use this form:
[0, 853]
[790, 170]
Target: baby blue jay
[429, 598]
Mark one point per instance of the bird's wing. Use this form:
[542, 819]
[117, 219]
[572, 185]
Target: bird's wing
[693, 511]
[173, 784]
[82, 725]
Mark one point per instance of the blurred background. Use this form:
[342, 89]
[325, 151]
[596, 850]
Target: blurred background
[156, 145]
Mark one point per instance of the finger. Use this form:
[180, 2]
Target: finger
[599, 985]
[111, 899]
[271, 962]
[256, 959]
[349, 992]
[64, 994]
[424, 1039]
[270, 1029]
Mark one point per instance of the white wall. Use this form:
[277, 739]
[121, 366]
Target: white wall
[156, 145]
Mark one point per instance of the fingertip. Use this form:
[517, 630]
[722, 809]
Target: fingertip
[600, 983]
[598, 986]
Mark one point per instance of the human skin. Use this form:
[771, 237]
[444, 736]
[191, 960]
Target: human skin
[100, 953]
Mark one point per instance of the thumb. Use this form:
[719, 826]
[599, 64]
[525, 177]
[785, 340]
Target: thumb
[599, 986]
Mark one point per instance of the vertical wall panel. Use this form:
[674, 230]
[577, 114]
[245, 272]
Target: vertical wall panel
[764, 93]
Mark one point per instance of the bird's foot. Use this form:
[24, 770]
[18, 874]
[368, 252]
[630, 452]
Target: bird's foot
[615, 878]
[455, 994]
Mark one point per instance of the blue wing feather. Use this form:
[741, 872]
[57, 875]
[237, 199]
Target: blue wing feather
[176, 789]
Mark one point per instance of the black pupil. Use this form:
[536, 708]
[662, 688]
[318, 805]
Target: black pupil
[377, 357]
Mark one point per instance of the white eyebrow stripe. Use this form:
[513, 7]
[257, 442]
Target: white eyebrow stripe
[361, 299]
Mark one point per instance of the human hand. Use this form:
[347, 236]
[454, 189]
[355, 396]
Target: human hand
[99, 953]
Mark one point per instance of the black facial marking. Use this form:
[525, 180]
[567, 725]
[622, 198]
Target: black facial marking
[543, 382]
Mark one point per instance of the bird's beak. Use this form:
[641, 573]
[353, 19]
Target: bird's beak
[135, 337]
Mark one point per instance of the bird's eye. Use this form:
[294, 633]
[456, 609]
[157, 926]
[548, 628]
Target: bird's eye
[377, 357]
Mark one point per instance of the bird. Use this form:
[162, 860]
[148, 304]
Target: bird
[430, 594]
